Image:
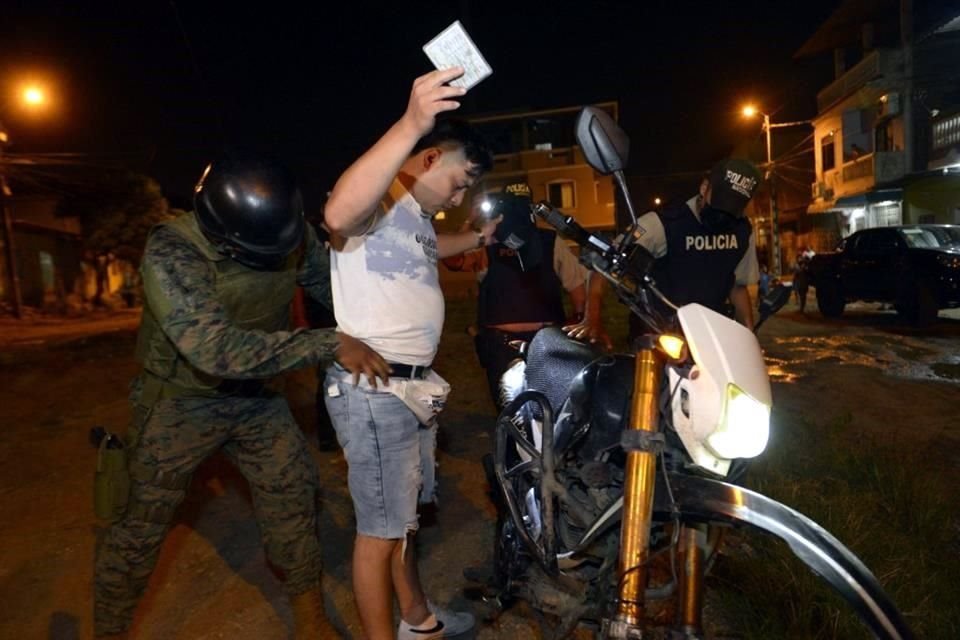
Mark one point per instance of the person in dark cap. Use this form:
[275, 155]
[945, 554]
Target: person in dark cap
[522, 278]
[705, 248]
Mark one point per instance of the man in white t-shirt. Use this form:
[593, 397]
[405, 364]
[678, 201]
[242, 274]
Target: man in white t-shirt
[386, 293]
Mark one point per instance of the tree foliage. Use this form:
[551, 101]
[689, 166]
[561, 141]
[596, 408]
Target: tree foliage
[116, 210]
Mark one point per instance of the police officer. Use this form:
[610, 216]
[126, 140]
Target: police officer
[522, 279]
[218, 284]
[705, 248]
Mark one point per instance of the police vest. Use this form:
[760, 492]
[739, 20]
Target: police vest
[700, 262]
[251, 299]
[508, 294]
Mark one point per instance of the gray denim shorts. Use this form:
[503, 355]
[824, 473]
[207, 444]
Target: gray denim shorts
[390, 455]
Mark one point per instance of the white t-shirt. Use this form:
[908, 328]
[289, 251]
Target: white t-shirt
[386, 288]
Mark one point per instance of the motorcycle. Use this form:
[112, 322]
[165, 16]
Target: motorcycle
[614, 472]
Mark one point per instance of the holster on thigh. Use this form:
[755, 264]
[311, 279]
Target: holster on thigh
[111, 479]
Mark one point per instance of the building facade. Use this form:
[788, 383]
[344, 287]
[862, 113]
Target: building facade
[539, 147]
[887, 132]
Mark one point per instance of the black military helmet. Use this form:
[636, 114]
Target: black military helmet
[249, 206]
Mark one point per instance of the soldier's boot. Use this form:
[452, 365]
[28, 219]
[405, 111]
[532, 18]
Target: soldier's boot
[310, 621]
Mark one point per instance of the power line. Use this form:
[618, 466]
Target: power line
[796, 183]
[808, 137]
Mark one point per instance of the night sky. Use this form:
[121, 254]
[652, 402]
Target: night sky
[162, 86]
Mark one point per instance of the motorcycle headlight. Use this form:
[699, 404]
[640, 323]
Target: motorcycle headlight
[744, 426]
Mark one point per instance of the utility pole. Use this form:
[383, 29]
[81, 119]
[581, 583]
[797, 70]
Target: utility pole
[749, 111]
[774, 207]
[13, 274]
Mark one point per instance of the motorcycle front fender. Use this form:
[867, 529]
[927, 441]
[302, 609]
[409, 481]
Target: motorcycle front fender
[708, 500]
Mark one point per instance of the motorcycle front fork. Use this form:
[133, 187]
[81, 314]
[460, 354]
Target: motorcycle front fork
[692, 543]
[640, 440]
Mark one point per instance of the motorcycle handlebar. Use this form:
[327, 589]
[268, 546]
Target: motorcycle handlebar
[570, 228]
[613, 262]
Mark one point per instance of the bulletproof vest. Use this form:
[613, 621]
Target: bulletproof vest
[701, 260]
[509, 294]
[251, 299]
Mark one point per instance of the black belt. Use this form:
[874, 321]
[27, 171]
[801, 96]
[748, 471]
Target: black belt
[412, 371]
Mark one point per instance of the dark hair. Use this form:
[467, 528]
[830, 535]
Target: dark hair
[454, 133]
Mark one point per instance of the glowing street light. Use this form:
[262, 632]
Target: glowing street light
[27, 95]
[34, 96]
[657, 201]
[749, 111]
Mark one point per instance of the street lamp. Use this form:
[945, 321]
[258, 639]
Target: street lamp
[32, 97]
[749, 111]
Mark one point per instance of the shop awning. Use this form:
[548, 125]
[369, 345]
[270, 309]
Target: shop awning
[869, 197]
[858, 201]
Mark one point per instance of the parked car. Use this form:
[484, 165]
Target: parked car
[914, 267]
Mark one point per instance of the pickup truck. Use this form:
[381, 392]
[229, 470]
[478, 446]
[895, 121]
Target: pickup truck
[914, 267]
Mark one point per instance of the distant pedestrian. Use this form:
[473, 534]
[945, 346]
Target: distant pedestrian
[801, 278]
[763, 284]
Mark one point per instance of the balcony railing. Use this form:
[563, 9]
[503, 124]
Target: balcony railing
[859, 168]
[946, 131]
[883, 167]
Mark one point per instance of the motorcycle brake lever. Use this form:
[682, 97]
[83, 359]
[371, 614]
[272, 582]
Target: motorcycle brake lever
[519, 345]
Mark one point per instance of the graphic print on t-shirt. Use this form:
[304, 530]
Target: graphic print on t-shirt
[407, 247]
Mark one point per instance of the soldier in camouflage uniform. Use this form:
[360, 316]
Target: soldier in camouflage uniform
[218, 285]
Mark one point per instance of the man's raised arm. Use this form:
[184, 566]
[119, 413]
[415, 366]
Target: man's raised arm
[359, 190]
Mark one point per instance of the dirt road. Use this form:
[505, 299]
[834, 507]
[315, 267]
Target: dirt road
[212, 580]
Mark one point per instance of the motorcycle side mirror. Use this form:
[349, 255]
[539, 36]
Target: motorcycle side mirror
[606, 147]
[775, 299]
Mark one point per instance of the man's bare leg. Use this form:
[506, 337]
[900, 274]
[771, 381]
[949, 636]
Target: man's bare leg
[406, 583]
[372, 585]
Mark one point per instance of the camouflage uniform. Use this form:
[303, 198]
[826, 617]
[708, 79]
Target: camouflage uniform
[212, 331]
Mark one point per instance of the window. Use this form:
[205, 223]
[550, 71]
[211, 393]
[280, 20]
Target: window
[828, 155]
[887, 215]
[883, 136]
[563, 194]
[551, 132]
[858, 133]
[946, 132]
[920, 238]
[503, 136]
[879, 241]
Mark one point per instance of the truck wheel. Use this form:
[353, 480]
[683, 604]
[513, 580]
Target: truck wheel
[830, 299]
[920, 308]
